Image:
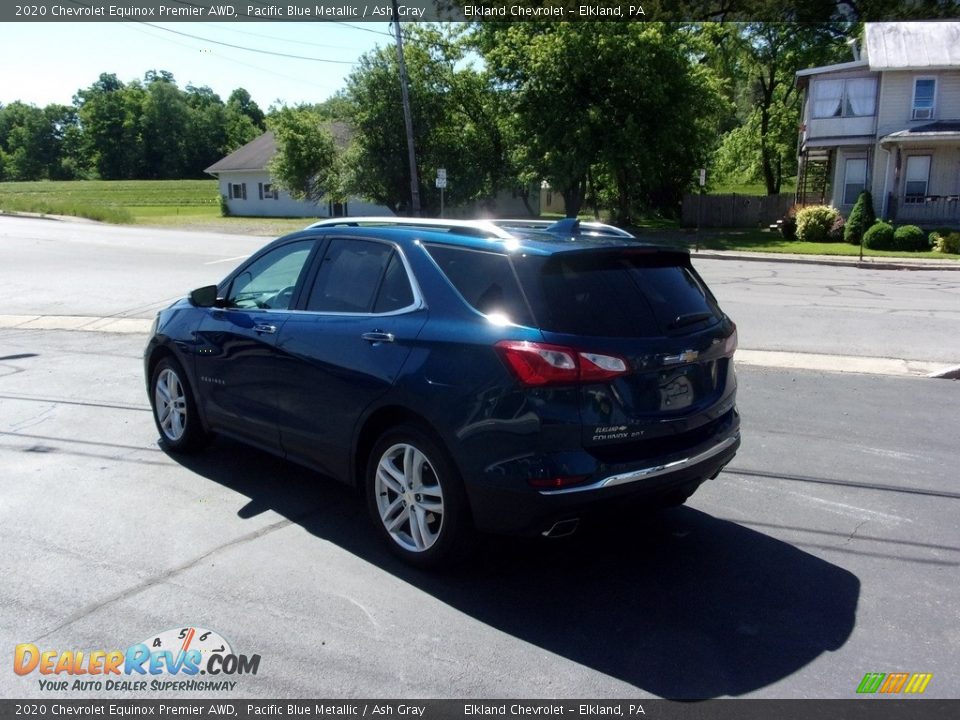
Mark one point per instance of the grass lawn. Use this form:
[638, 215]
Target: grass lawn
[756, 240]
[184, 204]
[789, 185]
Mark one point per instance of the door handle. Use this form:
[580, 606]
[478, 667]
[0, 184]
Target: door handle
[264, 328]
[378, 337]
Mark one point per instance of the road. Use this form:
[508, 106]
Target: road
[847, 311]
[827, 550]
[94, 270]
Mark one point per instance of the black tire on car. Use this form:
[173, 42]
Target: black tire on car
[416, 498]
[174, 408]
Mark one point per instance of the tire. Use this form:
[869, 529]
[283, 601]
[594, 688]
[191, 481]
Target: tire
[416, 499]
[174, 408]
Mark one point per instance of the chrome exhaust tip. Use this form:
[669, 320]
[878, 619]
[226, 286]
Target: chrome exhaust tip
[562, 528]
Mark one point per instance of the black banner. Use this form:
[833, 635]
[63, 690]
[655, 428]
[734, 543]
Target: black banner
[474, 10]
[872, 709]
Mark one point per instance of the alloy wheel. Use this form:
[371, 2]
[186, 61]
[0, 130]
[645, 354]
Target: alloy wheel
[170, 403]
[409, 497]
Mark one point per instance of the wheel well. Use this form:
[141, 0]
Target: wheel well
[159, 353]
[377, 424]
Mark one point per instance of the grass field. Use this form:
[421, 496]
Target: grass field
[789, 185]
[119, 201]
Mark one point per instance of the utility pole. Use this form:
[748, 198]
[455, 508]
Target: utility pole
[407, 117]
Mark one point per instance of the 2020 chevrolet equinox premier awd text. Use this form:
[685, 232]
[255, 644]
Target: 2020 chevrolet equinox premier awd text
[465, 375]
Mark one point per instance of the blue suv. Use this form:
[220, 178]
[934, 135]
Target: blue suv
[465, 375]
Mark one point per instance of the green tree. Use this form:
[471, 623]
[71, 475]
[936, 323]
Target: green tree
[306, 163]
[32, 141]
[862, 217]
[455, 120]
[206, 139]
[620, 102]
[164, 124]
[244, 120]
[109, 114]
[760, 61]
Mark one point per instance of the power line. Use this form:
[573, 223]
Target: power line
[281, 39]
[249, 49]
[231, 60]
[364, 29]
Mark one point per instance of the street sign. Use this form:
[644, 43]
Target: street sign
[441, 174]
[441, 182]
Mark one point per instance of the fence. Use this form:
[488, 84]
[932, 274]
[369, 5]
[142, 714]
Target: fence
[735, 210]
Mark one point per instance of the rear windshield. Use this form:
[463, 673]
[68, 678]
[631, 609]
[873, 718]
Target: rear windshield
[616, 294]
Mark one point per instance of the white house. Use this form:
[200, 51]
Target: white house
[888, 122]
[249, 190]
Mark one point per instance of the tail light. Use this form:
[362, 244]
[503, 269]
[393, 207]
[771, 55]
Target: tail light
[543, 364]
[730, 344]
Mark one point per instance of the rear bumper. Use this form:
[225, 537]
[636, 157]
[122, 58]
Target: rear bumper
[520, 509]
[653, 471]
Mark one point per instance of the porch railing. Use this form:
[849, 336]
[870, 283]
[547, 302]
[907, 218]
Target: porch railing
[929, 210]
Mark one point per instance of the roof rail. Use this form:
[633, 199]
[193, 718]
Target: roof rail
[471, 227]
[566, 226]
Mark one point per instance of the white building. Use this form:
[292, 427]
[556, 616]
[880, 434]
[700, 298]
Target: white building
[248, 189]
[888, 122]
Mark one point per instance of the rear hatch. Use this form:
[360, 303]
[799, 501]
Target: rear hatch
[664, 348]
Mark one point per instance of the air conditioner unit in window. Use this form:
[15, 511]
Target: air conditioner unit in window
[922, 113]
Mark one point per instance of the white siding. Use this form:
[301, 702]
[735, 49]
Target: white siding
[884, 169]
[284, 205]
[896, 100]
[949, 96]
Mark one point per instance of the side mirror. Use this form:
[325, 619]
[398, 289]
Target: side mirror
[204, 297]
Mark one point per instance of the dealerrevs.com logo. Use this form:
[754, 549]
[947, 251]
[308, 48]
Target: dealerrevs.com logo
[894, 683]
[189, 658]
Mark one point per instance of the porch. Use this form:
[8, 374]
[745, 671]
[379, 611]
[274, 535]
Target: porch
[929, 210]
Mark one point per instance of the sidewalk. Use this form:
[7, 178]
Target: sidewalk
[873, 263]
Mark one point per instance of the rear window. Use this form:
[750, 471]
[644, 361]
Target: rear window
[485, 280]
[616, 294]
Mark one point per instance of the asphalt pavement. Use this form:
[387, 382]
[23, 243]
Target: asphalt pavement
[826, 550]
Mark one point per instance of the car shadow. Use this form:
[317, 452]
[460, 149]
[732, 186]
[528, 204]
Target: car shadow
[679, 604]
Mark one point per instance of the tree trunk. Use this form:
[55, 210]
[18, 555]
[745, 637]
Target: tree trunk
[573, 197]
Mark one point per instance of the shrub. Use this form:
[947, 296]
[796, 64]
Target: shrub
[946, 243]
[788, 224]
[861, 219]
[814, 223]
[879, 237]
[836, 231]
[224, 206]
[911, 238]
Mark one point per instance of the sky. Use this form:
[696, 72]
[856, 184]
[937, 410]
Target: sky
[48, 62]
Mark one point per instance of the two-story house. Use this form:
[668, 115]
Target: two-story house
[888, 122]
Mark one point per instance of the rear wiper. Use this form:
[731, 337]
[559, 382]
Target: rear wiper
[690, 319]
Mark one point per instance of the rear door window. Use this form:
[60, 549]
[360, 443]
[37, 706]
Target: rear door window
[608, 294]
[351, 275]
